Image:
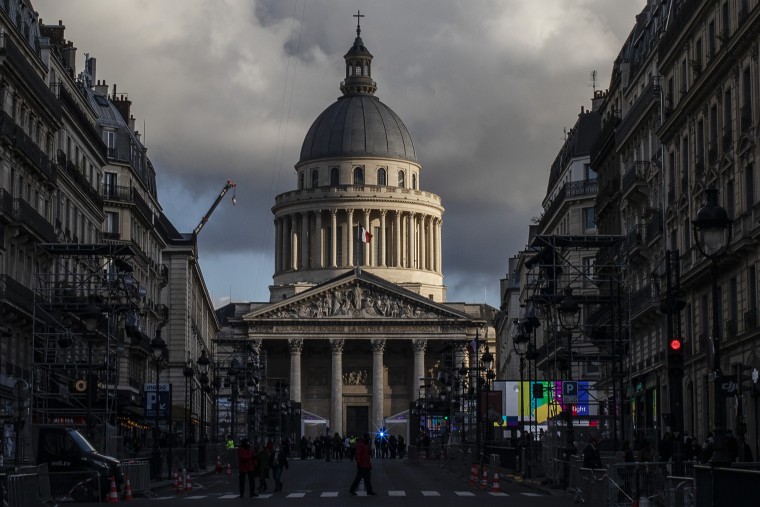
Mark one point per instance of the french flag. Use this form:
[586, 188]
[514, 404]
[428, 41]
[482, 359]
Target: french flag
[364, 235]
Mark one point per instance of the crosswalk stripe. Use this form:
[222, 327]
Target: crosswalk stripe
[229, 496]
[500, 493]
[464, 493]
[296, 495]
[430, 493]
[396, 493]
[329, 494]
[531, 494]
[196, 497]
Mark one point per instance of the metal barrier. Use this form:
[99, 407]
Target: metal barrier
[138, 473]
[72, 486]
[636, 482]
[680, 492]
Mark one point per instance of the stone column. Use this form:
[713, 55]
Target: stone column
[293, 252]
[305, 240]
[336, 387]
[431, 243]
[285, 236]
[277, 244]
[420, 242]
[440, 246]
[296, 347]
[397, 237]
[333, 238]
[349, 238]
[318, 258]
[410, 241]
[378, 394]
[383, 235]
[367, 247]
[419, 367]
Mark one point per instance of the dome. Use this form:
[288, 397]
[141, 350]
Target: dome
[356, 126]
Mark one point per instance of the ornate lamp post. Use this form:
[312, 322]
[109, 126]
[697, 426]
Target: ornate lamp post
[712, 234]
[188, 371]
[487, 360]
[91, 316]
[203, 364]
[569, 317]
[157, 347]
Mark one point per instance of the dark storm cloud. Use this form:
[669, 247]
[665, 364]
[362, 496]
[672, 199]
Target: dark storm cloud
[228, 90]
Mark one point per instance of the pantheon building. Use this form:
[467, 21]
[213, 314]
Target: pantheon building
[357, 312]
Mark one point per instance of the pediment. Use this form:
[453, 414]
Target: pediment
[359, 296]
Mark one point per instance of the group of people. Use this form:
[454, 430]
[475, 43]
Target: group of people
[337, 447]
[259, 461]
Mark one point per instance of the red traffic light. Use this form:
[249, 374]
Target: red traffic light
[675, 344]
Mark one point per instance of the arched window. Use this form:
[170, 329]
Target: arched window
[358, 176]
[315, 178]
[401, 183]
[300, 181]
[358, 70]
[381, 179]
[414, 182]
[334, 177]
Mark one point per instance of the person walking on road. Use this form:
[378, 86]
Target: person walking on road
[262, 462]
[363, 466]
[278, 462]
[246, 466]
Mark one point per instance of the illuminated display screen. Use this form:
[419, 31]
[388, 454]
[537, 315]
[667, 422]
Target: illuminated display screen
[550, 398]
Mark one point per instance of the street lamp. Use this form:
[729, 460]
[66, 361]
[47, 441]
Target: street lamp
[203, 364]
[157, 347]
[712, 234]
[569, 318]
[487, 359]
[188, 371]
[91, 316]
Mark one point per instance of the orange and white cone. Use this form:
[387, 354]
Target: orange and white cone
[484, 480]
[113, 495]
[180, 479]
[473, 475]
[229, 469]
[496, 488]
[127, 489]
[188, 484]
[218, 464]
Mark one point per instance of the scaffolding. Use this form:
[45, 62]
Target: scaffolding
[592, 269]
[85, 303]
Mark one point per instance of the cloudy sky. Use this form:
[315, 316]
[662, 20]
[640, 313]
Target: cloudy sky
[226, 89]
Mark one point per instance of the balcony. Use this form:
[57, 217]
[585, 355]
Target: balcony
[27, 217]
[77, 175]
[750, 320]
[644, 303]
[635, 243]
[163, 275]
[635, 181]
[81, 119]
[644, 103]
[20, 141]
[16, 295]
[572, 189]
[730, 329]
[17, 64]
[128, 195]
[654, 227]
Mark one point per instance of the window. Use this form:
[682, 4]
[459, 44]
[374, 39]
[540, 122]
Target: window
[713, 147]
[381, 178]
[109, 184]
[401, 183]
[301, 181]
[711, 40]
[704, 313]
[112, 223]
[334, 177]
[749, 186]
[588, 173]
[730, 203]
[724, 18]
[358, 176]
[414, 182]
[728, 123]
[684, 166]
[698, 56]
[588, 269]
[315, 178]
[588, 218]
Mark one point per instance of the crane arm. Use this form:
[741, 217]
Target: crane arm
[230, 184]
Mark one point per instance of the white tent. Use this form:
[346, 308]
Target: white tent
[312, 420]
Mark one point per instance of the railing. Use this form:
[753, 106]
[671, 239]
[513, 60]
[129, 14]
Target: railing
[26, 214]
[78, 176]
[358, 190]
[637, 172]
[642, 300]
[21, 141]
[647, 99]
[571, 189]
[676, 23]
[20, 64]
[16, 293]
[81, 118]
[750, 320]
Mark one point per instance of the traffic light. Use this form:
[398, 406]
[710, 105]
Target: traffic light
[675, 354]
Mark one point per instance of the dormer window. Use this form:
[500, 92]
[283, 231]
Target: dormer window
[358, 176]
[401, 182]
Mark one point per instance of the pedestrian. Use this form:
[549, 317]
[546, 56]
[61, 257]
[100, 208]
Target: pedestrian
[304, 447]
[262, 465]
[246, 466]
[277, 463]
[363, 466]
[591, 457]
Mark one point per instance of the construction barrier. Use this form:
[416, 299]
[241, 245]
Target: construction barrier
[74, 486]
[139, 475]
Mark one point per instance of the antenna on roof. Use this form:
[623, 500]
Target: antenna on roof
[593, 81]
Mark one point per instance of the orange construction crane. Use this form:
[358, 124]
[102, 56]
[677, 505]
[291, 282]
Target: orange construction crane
[230, 184]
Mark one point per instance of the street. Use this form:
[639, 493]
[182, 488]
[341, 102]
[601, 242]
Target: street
[323, 483]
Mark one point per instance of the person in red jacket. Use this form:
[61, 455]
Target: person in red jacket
[363, 466]
[246, 466]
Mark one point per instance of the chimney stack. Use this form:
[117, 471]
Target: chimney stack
[101, 88]
[70, 57]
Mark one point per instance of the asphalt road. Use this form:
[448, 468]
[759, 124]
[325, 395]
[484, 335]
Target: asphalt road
[317, 483]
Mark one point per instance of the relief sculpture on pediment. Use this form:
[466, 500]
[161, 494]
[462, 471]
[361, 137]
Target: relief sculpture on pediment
[354, 302]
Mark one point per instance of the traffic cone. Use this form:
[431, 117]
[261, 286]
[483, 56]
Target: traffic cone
[484, 480]
[188, 484]
[473, 475]
[218, 464]
[127, 489]
[229, 469]
[113, 495]
[175, 479]
[496, 488]
[180, 478]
